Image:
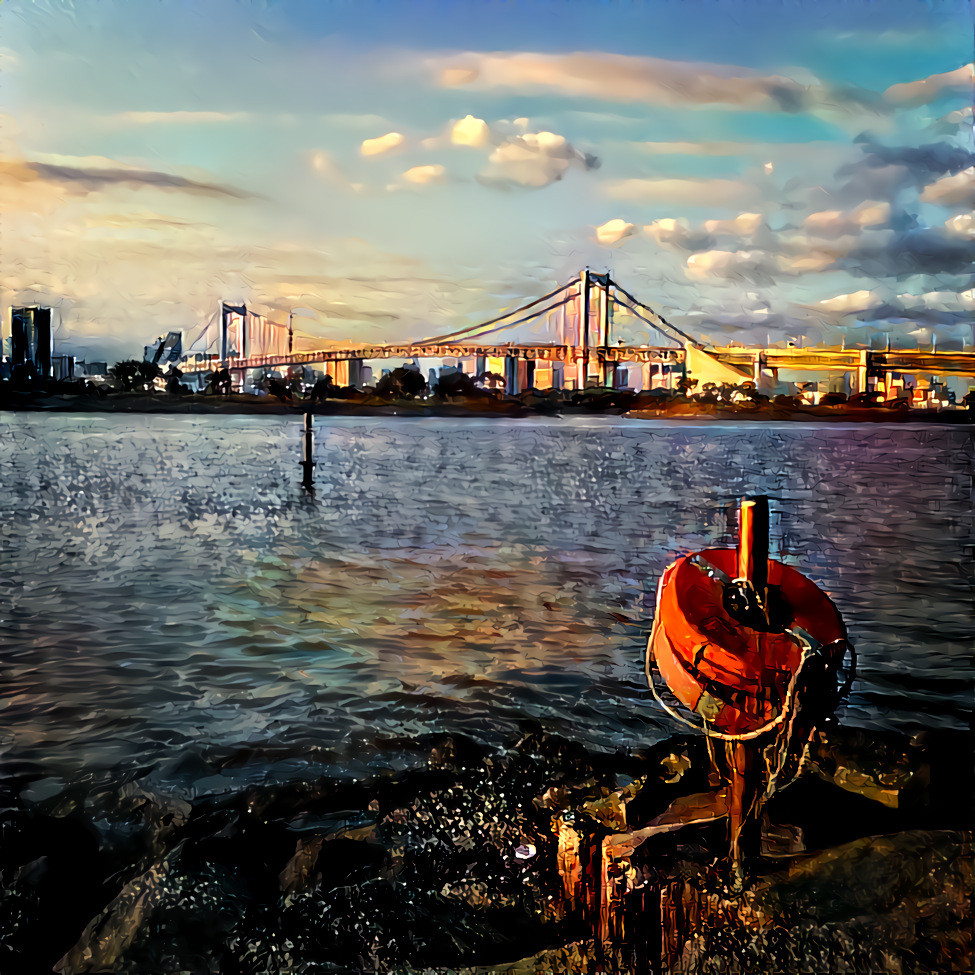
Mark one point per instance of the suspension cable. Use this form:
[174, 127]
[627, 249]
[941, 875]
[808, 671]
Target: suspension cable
[536, 314]
[674, 328]
[653, 325]
[473, 328]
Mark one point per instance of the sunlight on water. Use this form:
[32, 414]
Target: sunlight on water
[172, 600]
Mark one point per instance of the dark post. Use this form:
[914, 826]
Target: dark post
[307, 449]
[753, 526]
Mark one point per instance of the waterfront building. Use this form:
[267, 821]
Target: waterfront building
[32, 338]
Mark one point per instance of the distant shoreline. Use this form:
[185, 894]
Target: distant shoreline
[505, 408]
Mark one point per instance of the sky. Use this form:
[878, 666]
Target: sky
[756, 170]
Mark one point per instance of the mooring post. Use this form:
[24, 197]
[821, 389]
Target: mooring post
[307, 450]
[753, 544]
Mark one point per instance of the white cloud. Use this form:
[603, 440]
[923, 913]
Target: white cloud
[382, 144]
[926, 90]
[962, 225]
[614, 231]
[533, 160]
[622, 78]
[424, 175]
[850, 304]
[744, 225]
[943, 301]
[834, 223]
[951, 190]
[756, 265]
[470, 131]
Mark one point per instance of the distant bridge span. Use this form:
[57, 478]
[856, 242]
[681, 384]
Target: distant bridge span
[584, 353]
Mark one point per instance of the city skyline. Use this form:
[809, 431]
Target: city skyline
[757, 171]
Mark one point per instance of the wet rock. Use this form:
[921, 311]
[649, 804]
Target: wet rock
[107, 936]
[877, 767]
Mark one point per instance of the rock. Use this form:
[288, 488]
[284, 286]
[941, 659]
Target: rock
[877, 767]
[107, 936]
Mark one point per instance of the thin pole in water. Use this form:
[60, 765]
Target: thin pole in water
[307, 450]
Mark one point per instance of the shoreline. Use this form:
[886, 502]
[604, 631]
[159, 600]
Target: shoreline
[487, 407]
[541, 851]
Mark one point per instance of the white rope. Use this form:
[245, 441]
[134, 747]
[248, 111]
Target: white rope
[807, 652]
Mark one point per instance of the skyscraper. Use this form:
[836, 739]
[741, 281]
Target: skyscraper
[32, 338]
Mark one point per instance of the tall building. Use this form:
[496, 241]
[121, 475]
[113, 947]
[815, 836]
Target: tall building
[32, 338]
[168, 348]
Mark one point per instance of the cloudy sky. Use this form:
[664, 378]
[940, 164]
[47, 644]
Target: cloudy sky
[751, 168]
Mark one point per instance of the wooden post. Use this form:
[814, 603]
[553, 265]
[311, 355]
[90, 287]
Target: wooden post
[307, 450]
[753, 526]
[753, 529]
[740, 764]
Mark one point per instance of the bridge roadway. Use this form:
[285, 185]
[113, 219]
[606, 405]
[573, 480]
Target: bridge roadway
[551, 353]
[748, 362]
[875, 362]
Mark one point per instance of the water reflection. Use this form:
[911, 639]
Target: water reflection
[169, 589]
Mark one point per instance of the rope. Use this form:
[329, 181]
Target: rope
[720, 735]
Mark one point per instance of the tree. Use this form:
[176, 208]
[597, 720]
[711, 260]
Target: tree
[401, 383]
[135, 376]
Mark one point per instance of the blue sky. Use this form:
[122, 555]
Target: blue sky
[756, 170]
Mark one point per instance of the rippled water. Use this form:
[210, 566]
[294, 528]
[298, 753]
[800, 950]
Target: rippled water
[173, 606]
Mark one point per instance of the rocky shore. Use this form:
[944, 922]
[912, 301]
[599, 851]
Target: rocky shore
[536, 858]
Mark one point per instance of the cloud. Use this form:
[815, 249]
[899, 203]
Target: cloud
[533, 160]
[424, 175]
[690, 192]
[77, 178]
[382, 144]
[622, 78]
[850, 304]
[953, 122]
[614, 231]
[931, 307]
[920, 250]
[834, 223]
[756, 266]
[952, 190]
[882, 171]
[962, 225]
[926, 90]
[179, 118]
[744, 225]
[470, 131]
[329, 170]
[679, 235]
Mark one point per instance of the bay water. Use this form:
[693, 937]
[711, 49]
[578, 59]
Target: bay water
[174, 607]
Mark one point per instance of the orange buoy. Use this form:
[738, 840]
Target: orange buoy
[733, 630]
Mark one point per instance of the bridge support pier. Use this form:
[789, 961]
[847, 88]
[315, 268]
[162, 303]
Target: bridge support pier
[355, 373]
[510, 375]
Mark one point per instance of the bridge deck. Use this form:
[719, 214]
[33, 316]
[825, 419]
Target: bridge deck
[553, 353]
[809, 359]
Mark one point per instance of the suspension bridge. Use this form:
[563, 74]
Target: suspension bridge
[574, 349]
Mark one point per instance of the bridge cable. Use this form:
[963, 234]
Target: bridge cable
[535, 314]
[474, 328]
[642, 318]
[636, 301]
